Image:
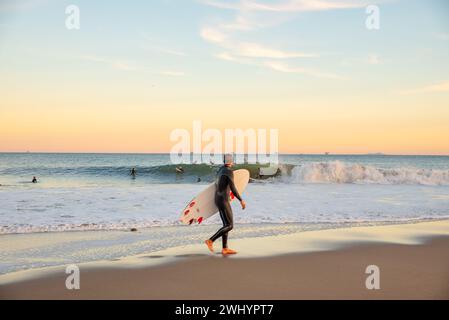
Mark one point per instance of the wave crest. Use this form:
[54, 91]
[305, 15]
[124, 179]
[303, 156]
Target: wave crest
[340, 172]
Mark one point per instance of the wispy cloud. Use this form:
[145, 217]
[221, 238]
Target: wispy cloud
[442, 36]
[434, 88]
[116, 64]
[248, 49]
[213, 35]
[18, 5]
[229, 57]
[126, 66]
[286, 6]
[283, 67]
[150, 46]
[373, 59]
[279, 66]
[172, 52]
[253, 15]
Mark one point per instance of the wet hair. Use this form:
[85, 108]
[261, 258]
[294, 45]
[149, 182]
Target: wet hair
[228, 158]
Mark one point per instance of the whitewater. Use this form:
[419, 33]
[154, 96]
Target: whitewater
[79, 192]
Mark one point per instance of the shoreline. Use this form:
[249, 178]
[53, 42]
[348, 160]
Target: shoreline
[34, 251]
[417, 248]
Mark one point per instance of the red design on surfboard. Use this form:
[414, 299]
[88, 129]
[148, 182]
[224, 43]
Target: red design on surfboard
[201, 207]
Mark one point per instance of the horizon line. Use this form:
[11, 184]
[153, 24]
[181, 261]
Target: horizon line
[279, 153]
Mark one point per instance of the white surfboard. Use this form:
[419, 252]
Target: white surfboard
[203, 206]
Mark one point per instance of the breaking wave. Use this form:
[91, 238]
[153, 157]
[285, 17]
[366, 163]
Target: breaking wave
[340, 172]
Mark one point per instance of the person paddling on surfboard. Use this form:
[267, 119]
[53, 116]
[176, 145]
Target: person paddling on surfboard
[225, 185]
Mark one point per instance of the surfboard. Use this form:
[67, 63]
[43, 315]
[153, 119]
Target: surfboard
[203, 205]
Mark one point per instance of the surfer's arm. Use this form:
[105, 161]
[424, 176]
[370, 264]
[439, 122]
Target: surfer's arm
[233, 188]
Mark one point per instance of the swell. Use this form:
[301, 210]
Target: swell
[336, 172]
[162, 173]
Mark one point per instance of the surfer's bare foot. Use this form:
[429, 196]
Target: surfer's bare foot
[227, 251]
[210, 245]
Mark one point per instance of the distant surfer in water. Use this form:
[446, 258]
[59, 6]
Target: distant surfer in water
[179, 169]
[34, 180]
[225, 184]
[133, 172]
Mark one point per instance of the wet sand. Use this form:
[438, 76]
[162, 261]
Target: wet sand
[407, 271]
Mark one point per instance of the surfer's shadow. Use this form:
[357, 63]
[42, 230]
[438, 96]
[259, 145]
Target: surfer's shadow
[187, 255]
[191, 255]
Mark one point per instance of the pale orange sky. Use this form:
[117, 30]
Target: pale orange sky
[337, 127]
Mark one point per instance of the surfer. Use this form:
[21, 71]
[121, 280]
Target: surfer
[34, 180]
[133, 172]
[225, 185]
[179, 169]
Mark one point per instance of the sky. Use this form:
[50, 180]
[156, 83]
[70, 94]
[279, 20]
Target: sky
[136, 70]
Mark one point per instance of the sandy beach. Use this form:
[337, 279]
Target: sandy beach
[413, 260]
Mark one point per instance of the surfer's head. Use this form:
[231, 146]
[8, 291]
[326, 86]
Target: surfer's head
[228, 160]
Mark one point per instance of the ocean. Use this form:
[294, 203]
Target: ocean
[96, 191]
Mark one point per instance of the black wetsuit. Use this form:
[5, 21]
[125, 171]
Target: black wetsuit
[225, 184]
